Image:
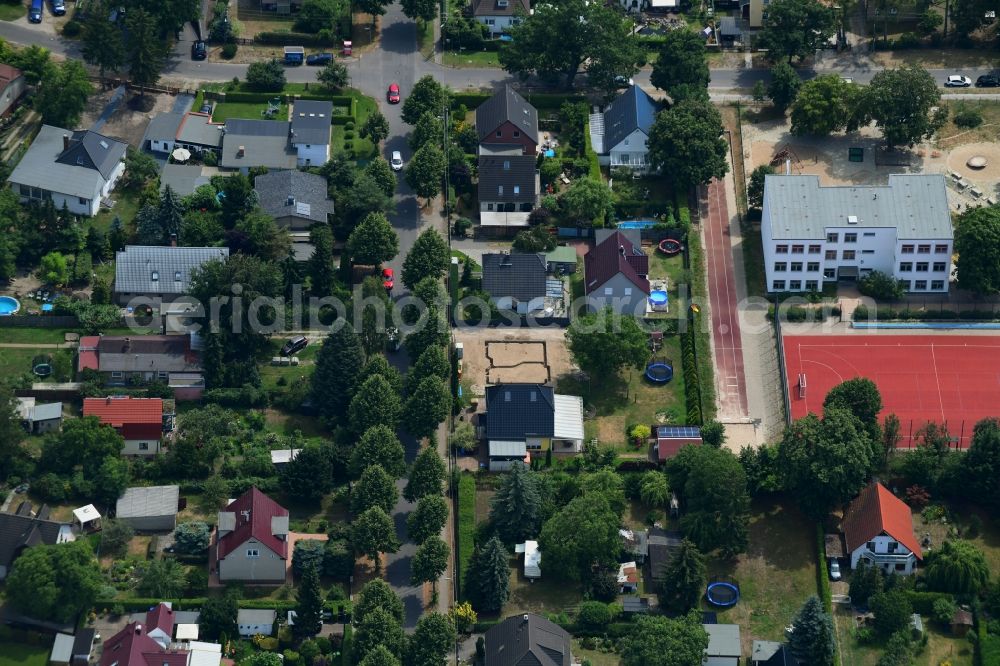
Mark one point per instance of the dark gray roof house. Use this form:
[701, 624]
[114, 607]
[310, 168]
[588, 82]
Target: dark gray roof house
[25, 529]
[294, 199]
[527, 640]
[771, 653]
[507, 107]
[520, 277]
[661, 546]
[183, 179]
[508, 179]
[632, 110]
[311, 121]
[159, 271]
[500, 7]
[256, 143]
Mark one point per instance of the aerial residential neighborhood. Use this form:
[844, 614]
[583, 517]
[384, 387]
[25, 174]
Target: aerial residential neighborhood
[499, 333]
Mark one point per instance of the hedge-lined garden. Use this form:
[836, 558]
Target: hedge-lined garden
[466, 526]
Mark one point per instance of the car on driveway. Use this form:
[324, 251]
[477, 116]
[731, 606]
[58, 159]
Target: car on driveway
[388, 279]
[834, 570]
[199, 51]
[58, 7]
[393, 94]
[296, 344]
[397, 161]
[35, 11]
[205, 108]
[988, 81]
[958, 81]
[319, 58]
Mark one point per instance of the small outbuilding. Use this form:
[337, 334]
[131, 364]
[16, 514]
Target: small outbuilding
[961, 622]
[253, 621]
[281, 457]
[723, 645]
[87, 517]
[62, 649]
[532, 559]
[150, 509]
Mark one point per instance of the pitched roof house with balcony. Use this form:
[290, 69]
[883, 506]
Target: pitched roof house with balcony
[500, 15]
[619, 135]
[878, 530]
[252, 542]
[530, 418]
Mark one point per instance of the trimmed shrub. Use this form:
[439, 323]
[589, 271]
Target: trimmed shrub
[71, 29]
[968, 118]
[322, 38]
[229, 50]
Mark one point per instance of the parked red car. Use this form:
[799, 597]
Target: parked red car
[387, 279]
[393, 94]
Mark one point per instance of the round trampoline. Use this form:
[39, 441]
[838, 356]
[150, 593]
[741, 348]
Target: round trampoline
[722, 594]
[669, 246]
[659, 372]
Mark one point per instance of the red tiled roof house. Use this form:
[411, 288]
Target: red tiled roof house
[252, 540]
[138, 420]
[615, 275]
[145, 644]
[878, 529]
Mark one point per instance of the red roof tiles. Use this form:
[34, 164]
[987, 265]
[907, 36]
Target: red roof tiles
[132, 646]
[87, 353]
[616, 254]
[161, 617]
[134, 418]
[253, 511]
[877, 511]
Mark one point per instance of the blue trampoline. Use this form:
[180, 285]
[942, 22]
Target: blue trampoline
[722, 594]
[659, 372]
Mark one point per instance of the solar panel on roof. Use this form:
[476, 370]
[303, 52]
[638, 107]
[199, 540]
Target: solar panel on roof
[685, 432]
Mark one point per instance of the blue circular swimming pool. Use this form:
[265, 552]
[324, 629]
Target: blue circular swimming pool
[658, 297]
[9, 305]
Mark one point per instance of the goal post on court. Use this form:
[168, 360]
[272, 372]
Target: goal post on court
[802, 385]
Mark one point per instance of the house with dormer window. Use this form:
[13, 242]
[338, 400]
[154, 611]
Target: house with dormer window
[500, 15]
[78, 169]
[252, 540]
[878, 530]
[159, 273]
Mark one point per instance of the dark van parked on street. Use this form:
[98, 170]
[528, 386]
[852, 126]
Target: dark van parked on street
[35, 13]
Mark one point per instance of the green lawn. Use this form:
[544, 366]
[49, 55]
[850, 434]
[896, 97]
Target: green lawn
[16, 362]
[629, 399]
[270, 374]
[17, 654]
[126, 207]
[594, 657]
[753, 263]
[33, 335]
[776, 574]
[12, 11]
[941, 647]
[471, 59]
[223, 111]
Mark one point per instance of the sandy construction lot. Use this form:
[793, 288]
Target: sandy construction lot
[494, 356]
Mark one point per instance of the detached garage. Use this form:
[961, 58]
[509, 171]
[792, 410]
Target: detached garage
[150, 509]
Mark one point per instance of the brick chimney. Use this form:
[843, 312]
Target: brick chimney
[173, 240]
[241, 151]
[65, 141]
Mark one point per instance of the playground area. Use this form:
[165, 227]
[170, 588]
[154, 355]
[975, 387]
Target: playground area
[949, 379]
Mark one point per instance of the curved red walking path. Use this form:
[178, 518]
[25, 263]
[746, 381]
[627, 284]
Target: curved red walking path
[730, 382]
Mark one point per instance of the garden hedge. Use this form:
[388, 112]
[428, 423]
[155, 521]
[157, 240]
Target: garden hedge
[294, 39]
[347, 646]
[692, 386]
[195, 603]
[821, 568]
[594, 170]
[923, 602]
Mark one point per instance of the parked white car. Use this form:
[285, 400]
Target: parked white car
[834, 570]
[397, 161]
[958, 81]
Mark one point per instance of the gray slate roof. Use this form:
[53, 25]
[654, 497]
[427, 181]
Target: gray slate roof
[503, 106]
[160, 353]
[307, 191]
[311, 122]
[265, 143]
[183, 179]
[78, 171]
[148, 501]
[515, 412]
[136, 264]
[723, 640]
[633, 109]
[519, 275]
[48, 411]
[915, 205]
[493, 7]
[19, 531]
[198, 128]
[527, 640]
[507, 172]
[162, 127]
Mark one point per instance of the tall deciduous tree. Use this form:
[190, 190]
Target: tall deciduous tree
[900, 101]
[378, 447]
[796, 28]
[373, 241]
[11, 432]
[335, 377]
[859, 396]
[432, 363]
[425, 172]
[373, 533]
[380, 172]
[54, 582]
[378, 628]
[373, 8]
[427, 130]
[374, 403]
[958, 567]
[812, 641]
[162, 579]
[584, 533]
[379, 656]
[980, 467]
[977, 242]
[686, 141]
[427, 258]
[784, 85]
[374, 488]
[681, 67]
[63, 94]
[427, 519]
[825, 105]
[334, 75]
[516, 508]
[424, 10]
[429, 562]
[654, 491]
[375, 128]
[825, 462]
[376, 593]
[433, 638]
[103, 44]
[683, 578]
[144, 49]
[309, 475]
[427, 407]
[426, 475]
[427, 96]
[489, 577]
[585, 201]
[309, 606]
[662, 641]
[603, 343]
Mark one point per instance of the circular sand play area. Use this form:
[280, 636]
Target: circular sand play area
[960, 156]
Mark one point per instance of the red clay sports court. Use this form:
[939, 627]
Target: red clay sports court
[953, 380]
